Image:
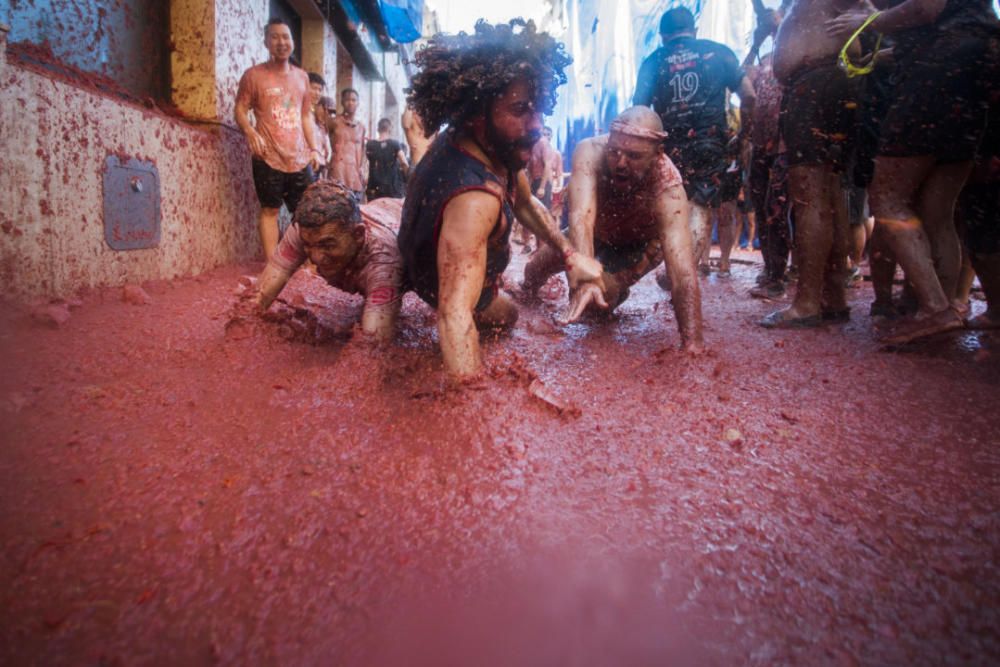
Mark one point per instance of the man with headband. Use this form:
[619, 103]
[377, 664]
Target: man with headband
[627, 208]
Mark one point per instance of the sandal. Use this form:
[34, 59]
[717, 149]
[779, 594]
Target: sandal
[777, 320]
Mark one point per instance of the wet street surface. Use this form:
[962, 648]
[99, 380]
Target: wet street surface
[182, 487]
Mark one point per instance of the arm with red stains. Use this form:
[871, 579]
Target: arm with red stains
[404, 166]
[309, 126]
[671, 211]
[244, 102]
[286, 259]
[461, 262]
[582, 191]
[531, 213]
[906, 15]
[378, 319]
[362, 158]
[548, 164]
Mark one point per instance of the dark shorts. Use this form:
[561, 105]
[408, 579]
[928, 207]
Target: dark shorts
[940, 100]
[622, 259]
[275, 188]
[547, 196]
[857, 204]
[818, 117]
[702, 163]
[729, 188]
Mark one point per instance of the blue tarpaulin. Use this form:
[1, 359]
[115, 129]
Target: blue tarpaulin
[403, 18]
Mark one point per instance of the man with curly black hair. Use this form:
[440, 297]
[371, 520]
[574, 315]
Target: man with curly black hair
[491, 88]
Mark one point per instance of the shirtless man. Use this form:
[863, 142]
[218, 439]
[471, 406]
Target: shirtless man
[491, 88]
[322, 117]
[347, 141]
[282, 136]
[818, 125]
[416, 139]
[353, 248]
[541, 167]
[627, 208]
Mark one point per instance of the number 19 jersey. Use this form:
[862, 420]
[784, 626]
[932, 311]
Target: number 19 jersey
[685, 82]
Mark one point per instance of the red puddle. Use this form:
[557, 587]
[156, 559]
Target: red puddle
[177, 491]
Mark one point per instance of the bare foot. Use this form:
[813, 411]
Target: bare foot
[912, 329]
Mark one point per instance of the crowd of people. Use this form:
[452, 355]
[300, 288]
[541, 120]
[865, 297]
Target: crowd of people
[859, 112]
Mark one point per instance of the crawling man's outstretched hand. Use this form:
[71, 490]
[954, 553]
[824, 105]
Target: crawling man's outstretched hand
[588, 293]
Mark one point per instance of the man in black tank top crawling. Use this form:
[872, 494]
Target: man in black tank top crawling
[491, 88]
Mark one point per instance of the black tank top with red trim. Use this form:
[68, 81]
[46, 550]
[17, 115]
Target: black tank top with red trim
[445, 172]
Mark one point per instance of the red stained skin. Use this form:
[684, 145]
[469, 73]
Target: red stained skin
[181, 487]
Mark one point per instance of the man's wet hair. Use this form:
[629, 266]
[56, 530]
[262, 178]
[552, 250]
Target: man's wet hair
[460, 75]
[275, 20]
[316, 78]
[676, 20]
[347, 91]
[328, 202]
[384, 125]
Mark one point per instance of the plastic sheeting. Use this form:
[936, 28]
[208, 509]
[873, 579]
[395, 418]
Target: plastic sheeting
[403, 19]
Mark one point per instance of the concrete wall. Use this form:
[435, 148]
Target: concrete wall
[63, 124]
[51, 188]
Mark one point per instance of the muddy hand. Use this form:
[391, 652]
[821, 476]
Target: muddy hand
[582, 269]
[844, 25]
[256, 142]
[587, 294]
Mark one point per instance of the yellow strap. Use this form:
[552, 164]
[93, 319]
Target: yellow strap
[845, 62]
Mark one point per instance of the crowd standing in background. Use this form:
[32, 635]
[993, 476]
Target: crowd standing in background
[863, 130]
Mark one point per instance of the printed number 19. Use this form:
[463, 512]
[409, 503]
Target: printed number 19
[685, 86]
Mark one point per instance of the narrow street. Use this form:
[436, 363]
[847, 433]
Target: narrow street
[180, 488]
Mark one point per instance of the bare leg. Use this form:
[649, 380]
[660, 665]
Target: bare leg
[988, 268]
[701, 229]
[936, 210]
[966, 276]
[898, 182]
[883, 269]
[728, 234]
[808, 186]
[857, 246]
[751, 228]
[834, 299]
[267, 225]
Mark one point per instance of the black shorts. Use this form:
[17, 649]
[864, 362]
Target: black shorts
[818, 117]
[978, 210]
[940, 100]
[729, 187]
[702, 162]
[857, 204]
[622, 259]
[276, 187]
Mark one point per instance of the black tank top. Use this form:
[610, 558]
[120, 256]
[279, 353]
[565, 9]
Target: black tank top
[444, 173]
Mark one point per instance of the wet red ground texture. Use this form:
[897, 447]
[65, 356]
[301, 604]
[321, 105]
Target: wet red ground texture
[182, 489]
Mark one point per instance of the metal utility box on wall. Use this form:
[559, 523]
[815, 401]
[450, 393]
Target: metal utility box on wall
[131, 204]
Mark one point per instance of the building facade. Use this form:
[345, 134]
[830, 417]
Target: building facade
[122, 161]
